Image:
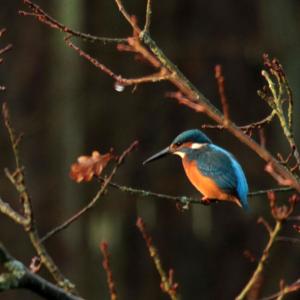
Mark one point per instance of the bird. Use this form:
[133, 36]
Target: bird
[212, 170]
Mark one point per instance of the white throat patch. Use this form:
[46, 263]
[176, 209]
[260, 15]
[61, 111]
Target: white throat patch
[181, 154]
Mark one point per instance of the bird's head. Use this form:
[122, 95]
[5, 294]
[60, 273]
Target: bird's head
[182, 144]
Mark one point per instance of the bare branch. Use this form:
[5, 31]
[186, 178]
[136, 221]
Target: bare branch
[7, 210]
[107, 268]
[148, 16]
[6, 49]
[17, 276]
[125, 14]
[280, 214]
[18, 180]
[43, 17]
[280, 93]
[261, 220]
[285, 290]
[167, 283]
[260, 267]
[159, 76]
[220, 80]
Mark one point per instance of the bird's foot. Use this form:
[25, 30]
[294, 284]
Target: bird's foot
[207, 201]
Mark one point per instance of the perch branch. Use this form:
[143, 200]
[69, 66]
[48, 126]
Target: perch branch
[184, 200]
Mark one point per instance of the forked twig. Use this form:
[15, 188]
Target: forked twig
[94, 200]
[167, 281]
[26, 219]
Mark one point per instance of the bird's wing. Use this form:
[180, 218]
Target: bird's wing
[226, 171]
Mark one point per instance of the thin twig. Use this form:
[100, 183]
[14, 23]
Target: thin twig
[109, 275]
[246, 128]
[261, 220]
[167, 283]
[288, 239]
[280, 92]
[6, 49]
[125, 14]
[261, 262]
[159, 76]
[94, 200]
[288, 289]
[220, 80]
[148, 16]
[43, 17]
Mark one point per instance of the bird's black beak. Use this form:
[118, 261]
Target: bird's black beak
[158, 155]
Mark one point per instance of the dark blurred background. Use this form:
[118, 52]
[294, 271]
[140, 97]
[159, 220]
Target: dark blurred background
[66, 108]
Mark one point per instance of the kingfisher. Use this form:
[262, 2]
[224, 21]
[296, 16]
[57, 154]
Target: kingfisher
[213, 171]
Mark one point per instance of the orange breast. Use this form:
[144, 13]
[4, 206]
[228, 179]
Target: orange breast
[205, 185]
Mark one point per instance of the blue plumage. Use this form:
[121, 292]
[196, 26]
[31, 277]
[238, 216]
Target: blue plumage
[217, 174]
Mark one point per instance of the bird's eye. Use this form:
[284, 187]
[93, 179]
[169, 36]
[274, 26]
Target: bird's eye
[178, 144]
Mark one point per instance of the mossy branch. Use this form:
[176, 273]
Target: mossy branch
[26, 219]
[17, 276]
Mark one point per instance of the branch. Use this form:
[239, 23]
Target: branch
[280, 93]
[285, 290]
[167, 282]
[94, 200]
[220, 80]
[107, 268]
[280, 214]
[3, 51]
[184, 200]
[27, 220]
[7, 210]
[261, 263]
[148, 16]
[125, 14]
[193, 97]
[43, 17]
[159, 76]
[17, 276]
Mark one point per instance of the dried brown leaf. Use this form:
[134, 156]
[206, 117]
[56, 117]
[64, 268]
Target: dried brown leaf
[88, 166]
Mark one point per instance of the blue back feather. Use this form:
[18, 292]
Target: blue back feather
[215, 162]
